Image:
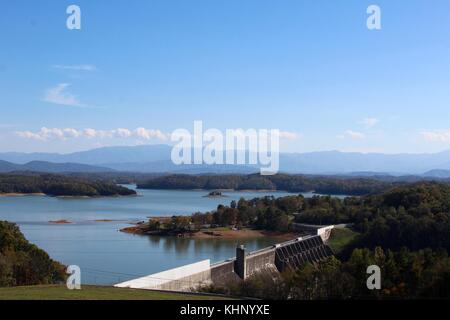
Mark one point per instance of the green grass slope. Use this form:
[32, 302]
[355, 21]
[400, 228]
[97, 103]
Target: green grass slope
[60, 292]
[340, 238]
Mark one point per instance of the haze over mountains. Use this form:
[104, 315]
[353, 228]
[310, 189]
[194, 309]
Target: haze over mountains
[49, 167]
[156, 158]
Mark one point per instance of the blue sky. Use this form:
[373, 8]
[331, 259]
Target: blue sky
[309, 68]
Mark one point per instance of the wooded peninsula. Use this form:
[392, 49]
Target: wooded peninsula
[58, 186]
[282, 182]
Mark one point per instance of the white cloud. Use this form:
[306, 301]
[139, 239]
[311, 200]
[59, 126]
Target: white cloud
[93, 133]
[59, 95]
[79, 67]
[436, 135]
[355, 135]
[29, 135]
[147, 134]
[72, 133]
[46, 134]
[289, 135]
[123, 133]
[89, 133]
[369, 122]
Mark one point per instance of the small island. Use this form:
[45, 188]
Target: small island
[62, 221]
[215, 194]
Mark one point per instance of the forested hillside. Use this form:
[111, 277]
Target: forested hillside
[292, 183]
[22, 263]
[405, 231]
[415, 216]
[56, 185]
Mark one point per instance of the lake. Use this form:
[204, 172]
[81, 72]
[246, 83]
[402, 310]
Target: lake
[107, 256]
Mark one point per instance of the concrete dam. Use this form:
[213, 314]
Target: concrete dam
[288, 255]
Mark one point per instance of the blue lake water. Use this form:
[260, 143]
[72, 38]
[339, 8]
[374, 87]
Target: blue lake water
[104, 254]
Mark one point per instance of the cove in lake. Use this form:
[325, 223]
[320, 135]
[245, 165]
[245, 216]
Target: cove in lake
[107, 256]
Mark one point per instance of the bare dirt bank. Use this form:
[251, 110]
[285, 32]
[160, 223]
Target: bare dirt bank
[61, 222]
[213, 234]
[20, 194]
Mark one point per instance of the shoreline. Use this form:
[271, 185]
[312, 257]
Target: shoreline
[62, 221]
[220, 190]
[39, 194]
[250, 190]
[213, 234]
[17, 194]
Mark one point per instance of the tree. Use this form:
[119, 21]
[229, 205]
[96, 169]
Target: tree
[22, 263]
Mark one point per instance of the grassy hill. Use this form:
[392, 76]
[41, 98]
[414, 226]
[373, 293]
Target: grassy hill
[340, 238]
[60, 292]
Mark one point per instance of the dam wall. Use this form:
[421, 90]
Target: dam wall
[260, 261]
[223, 273]
[185, 278]
[289, 255]
[323, 231]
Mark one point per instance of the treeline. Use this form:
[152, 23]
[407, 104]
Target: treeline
[404, 274]
[114, 177]
[405, 231]
[415, 216]
[266, 213]
[284, 182]
[58, 185]
[22, 263]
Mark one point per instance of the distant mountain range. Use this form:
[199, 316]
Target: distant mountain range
[49, 167]
[135, 154]
[156, 158]
[437, 174]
